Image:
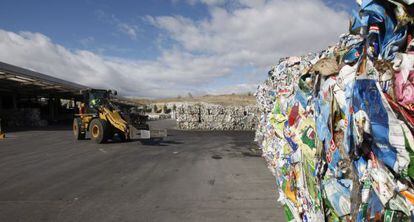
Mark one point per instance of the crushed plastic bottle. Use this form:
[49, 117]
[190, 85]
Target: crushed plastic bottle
[336, 127]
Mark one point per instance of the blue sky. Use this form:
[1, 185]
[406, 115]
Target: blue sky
[75, 23]
[176, 46]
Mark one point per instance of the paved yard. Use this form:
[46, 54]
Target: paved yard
[45, 175]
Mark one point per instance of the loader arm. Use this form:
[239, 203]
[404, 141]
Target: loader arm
[115, 119]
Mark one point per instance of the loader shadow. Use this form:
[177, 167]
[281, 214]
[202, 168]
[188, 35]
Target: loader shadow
[157, 142]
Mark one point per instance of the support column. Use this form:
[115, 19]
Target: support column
[2, 134]
[51, 108]
[14, 100]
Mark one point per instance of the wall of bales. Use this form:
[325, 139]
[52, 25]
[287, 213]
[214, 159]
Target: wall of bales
[337, 127]
[204, 116]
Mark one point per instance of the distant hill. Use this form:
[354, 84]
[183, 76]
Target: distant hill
[226, 100]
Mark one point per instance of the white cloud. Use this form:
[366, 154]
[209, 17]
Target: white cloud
[170, 75]
[203, 51]
[211, 2]
[129, 30]
[259, 33]
[231, 3]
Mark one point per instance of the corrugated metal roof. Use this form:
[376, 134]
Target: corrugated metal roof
[16, 79]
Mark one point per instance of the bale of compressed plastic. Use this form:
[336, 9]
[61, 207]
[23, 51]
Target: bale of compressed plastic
[205, 116]
[336, 127]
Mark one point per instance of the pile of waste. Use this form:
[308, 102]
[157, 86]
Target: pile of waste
[27, 117]
[205, 116]
[336, 127]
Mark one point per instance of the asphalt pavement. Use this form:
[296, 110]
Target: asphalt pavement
[45, 175]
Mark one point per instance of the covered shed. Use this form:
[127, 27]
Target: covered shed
[29, 98]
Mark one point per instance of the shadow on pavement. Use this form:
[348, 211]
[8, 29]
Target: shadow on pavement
[158, 142]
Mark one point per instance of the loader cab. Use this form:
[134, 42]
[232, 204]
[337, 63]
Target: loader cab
[93, 98]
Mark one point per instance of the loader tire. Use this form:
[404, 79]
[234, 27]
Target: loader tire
[99, 130]
[110, 132]
[77, 129]
[122, 137]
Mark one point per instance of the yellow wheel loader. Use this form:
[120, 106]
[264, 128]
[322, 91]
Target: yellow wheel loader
[102, 119]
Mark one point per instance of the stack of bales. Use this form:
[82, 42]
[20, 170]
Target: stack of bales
[336, 127]
[204, 116]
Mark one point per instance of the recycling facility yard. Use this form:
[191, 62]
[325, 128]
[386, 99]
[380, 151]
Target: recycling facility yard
[335, 127]
[191, 176]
